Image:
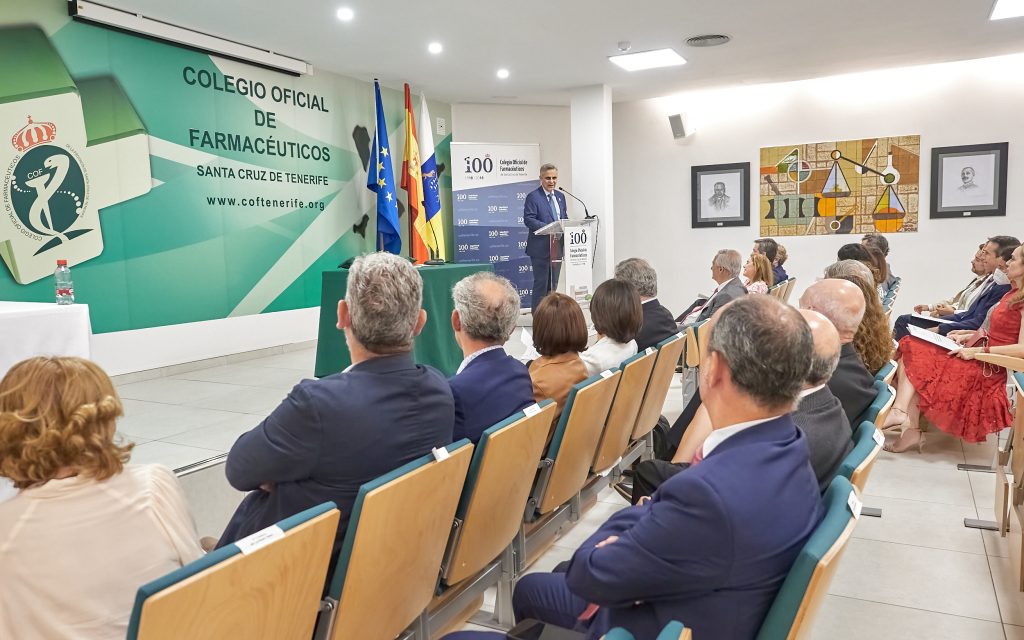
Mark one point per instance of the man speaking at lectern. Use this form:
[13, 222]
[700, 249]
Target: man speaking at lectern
[543, 206]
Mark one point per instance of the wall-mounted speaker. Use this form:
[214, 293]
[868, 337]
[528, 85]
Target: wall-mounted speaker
[680, 129]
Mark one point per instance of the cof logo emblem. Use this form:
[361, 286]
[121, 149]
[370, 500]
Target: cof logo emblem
[46, 189]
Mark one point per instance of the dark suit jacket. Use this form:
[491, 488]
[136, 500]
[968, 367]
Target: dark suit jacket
[713, 545]
[779, 273]
[732, 290]
[975, 314]
[820, 416]
[658, 325]
[491, 388]
[852, 384]
[330, 436]
[537, 214]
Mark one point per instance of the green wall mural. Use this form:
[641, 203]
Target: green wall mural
[179, 186]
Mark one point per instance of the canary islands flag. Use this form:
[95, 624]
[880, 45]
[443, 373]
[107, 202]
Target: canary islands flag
[431, 191]
[380, 178]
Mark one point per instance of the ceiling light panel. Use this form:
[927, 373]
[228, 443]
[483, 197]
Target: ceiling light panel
[648, 60]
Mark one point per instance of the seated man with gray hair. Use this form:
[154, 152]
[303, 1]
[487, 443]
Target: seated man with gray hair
[490, 385]
[658, 324]
[713, 545]
[842, 303]
[330, 436]
[725, 271]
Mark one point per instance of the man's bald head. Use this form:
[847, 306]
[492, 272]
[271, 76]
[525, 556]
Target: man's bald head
[826, 348]
[841, 301]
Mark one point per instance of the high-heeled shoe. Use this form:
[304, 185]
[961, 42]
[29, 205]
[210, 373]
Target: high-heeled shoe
[910, 438]
[897, 418]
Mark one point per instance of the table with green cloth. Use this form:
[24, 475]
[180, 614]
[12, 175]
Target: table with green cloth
[436, 343]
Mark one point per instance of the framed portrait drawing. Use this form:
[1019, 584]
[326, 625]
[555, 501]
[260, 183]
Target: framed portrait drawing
[969, 181]
[721, 195]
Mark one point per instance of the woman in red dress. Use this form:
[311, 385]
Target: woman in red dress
[955, 392]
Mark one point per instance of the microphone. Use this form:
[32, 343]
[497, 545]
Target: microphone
[586, 214]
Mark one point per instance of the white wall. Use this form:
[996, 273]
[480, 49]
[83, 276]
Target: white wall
[142, 349]
[960, 103]
[547, 126]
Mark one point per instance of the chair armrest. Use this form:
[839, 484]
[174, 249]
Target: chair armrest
[1011, 363]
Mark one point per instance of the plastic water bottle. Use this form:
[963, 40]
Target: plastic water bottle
[62, 284]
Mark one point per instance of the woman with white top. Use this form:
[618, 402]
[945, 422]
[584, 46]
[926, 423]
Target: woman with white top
[757, 274]
[85, 531]
[617, 315]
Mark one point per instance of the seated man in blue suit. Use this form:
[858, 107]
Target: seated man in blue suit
[543, 206]
[490, 385]
[975, 315]
[713, 545]
[330, 436]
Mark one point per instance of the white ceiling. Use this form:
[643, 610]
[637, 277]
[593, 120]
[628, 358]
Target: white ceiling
[554, 45]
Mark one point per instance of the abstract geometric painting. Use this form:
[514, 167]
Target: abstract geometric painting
[847, 187]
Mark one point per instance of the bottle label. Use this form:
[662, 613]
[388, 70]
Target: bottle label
[65, 292]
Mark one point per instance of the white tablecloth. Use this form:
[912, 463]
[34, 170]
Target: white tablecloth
[42, 329]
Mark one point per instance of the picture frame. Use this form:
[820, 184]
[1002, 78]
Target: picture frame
[720, 195]
[969, 181]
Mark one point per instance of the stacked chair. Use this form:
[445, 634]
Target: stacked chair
[1009, 494]
[426, 540]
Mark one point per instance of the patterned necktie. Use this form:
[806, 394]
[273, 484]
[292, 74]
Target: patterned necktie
[554, 207]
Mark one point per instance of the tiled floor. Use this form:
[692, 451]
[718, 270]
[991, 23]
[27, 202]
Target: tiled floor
[915, 573]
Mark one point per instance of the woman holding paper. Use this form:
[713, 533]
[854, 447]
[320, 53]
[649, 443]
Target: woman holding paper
[955, 392]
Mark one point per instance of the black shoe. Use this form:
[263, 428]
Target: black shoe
[627, 473]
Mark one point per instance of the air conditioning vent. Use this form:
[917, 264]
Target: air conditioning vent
[708, 40]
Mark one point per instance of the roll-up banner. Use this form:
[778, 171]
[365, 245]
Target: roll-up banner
[489, 187]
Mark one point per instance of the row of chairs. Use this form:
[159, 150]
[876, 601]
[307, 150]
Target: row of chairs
[783, 290]
[1008, 504]
[426, 540]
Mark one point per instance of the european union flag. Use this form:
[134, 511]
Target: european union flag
[380, 178]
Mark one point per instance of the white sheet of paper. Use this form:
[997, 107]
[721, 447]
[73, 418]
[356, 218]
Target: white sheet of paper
[933, 338]
[932, 318]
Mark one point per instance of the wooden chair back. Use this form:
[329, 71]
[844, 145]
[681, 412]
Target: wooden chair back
[792, 614]
[867, 442]
[696, 340]
[790, 285]
[576, 437]
[777, 290]
[265, 586]
[388, 565]
[669, 351]
[636, 376]
[887, 373]
[501, 475]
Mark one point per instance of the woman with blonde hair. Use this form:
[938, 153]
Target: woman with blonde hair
[758, 274]
[873, 340]
[86, 529]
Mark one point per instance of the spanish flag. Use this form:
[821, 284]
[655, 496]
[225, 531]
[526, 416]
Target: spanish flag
[412, 183]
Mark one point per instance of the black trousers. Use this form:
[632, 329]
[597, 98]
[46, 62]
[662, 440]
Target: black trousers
[545, 279]
[900, 326]
[649, 474]
[678, 428]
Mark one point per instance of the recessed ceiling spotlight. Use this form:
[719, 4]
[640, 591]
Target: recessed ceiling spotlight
[345, 14]
[708, 40]
[1007, 9]
[648, 60]
[435, 48]
[502, 74]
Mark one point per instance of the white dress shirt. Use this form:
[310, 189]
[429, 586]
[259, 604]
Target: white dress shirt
[693, 315]
[473, 356]
[718, 436]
